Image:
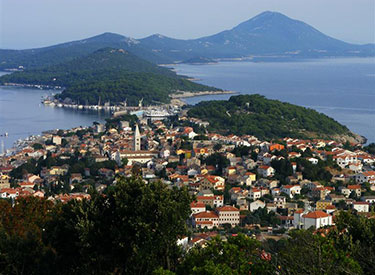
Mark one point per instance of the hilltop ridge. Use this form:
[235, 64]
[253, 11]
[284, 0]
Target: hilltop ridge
[268, 33]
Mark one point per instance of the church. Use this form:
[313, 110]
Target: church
[137, 154]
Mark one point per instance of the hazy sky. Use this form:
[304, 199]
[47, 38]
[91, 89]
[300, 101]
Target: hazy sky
[35, 23]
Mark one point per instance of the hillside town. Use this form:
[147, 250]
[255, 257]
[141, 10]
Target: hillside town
[238, 183]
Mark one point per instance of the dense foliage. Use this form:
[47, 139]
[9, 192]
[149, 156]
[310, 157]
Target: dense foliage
[239, 255]
[264, 118]
[134, 227]
[370, 148]
[131, 230]
[153, 88]
[109, 74]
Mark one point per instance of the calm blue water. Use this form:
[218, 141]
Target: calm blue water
[22, 115]
[341, 88]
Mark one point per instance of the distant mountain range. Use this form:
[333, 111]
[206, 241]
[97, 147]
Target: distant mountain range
[269, 34]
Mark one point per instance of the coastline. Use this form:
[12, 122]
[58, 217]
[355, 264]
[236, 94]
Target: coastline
[203, 93]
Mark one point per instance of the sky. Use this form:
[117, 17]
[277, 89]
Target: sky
[37, 23]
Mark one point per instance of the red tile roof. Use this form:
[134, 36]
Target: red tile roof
[316, 215]
[227, 208]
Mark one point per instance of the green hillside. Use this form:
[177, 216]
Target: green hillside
[55, 54]
[264, 118]
[111, 75]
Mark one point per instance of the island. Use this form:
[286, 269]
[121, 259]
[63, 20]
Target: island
[265, 118]
[109, 76]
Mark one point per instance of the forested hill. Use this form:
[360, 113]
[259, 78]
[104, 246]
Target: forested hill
[264, 118]
[111, 75]
[55, 54]
[104, 63]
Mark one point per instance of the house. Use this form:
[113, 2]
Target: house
[323, 204]
[255, 193]
[345, 159]
[75, 177]
[361, 206]
[279, 201]
[276, 146]
[266, 171]
[315, 219]
[291, 190]
[197, 207]
[139, 156]
[250, 178]
[256, 205]
[58, 170]
[321, 192]
[213, 201]
[369, 199]
[228, 215]
[356, 167]
[8, 193]
[222, 215]
[189, 132]
[212, 182]
[368, 176]
[346, 191]
[56, 140]
[207, 219]
[4, 181]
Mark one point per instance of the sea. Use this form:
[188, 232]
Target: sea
[22, 114]
[344, 89]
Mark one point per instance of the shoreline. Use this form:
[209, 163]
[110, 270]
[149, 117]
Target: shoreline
[203, 93]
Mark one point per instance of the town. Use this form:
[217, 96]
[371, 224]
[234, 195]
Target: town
[237, 183]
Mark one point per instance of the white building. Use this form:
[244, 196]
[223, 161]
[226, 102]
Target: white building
[197, 207]
[266, 171]
[315, 219]
[222, 215]
[56, 140]
[368, 176]
[228, 215]
[291, 190]
[256, 205]
[361, 206]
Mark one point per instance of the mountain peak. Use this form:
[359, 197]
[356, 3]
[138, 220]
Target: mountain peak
[267, 17]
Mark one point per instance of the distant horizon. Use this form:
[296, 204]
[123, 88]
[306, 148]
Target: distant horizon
[354, 21]
[98, 34]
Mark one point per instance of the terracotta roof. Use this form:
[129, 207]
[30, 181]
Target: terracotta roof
[207, 214]
[354, 187]
[227, 208]
[197, 204]
[316, 215]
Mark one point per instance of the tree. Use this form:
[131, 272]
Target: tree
[37, 146]
[21, 227]
[217, 147]
[124, 161]
[308, 253]
[355, 235]
[133, 229]
[239, 255]
[218, 160]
